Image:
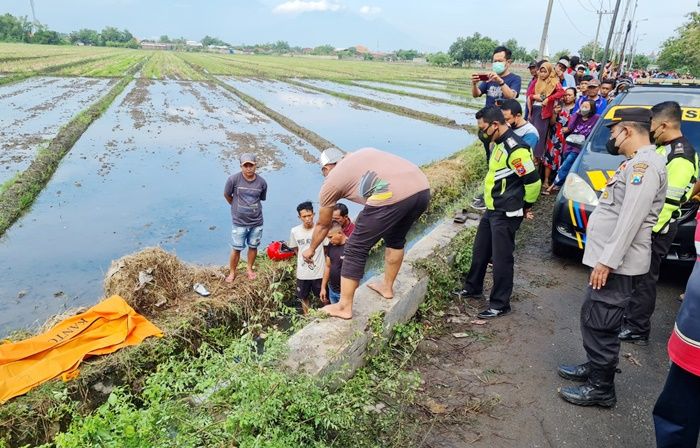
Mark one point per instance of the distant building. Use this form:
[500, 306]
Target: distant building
[155, 46]
[223, 49]
[194, 44]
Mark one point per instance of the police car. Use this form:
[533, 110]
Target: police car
[594, 167]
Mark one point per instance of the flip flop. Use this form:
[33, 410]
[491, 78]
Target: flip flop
[461, 217]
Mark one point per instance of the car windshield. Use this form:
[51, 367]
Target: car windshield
[690, 129]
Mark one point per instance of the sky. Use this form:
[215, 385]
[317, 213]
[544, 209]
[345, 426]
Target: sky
[426, 25]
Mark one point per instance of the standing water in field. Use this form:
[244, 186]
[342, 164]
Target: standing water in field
[353, 126]
[461, 115]
[33, 111]
[150, 171]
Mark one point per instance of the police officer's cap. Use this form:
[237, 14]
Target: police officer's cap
[635, 114]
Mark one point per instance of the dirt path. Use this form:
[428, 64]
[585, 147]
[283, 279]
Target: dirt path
[496, 387]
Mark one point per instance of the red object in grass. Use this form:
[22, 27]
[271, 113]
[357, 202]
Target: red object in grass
[279, 251]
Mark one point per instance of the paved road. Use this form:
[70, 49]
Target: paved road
[500, 386]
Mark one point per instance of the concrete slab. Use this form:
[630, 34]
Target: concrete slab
[335, 346]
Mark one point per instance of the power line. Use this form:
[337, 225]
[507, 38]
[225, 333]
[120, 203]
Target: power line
[571, 21]
[584, 7]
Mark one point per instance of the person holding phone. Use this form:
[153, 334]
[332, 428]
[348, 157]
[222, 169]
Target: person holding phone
[497, 84]
[500, 82]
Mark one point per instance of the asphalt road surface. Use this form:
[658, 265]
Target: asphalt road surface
[498, 388]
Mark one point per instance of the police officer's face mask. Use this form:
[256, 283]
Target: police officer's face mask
[612, 146]
[655, 135]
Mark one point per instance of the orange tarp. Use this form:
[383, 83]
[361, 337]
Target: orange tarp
[104, 328]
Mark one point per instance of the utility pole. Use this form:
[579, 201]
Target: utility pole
[624, 43]
[545, 29]
[610, 33]
[597, 31]
[618, 35]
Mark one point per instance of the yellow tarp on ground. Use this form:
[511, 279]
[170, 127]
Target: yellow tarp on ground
[104, 328]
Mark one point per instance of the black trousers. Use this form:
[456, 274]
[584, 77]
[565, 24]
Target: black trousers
[643, 301]
[495, 240]
[677, 411]
[601, 319]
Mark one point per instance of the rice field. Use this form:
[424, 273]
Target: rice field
[148, 168]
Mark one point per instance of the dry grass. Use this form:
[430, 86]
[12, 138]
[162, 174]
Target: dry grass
[169, 295]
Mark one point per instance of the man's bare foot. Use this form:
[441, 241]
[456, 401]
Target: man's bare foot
[335, 310]
[380, 289]
[230, 277]
[252, 275]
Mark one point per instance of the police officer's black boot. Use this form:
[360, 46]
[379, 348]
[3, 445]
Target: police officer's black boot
[598, 390]
[575, 373]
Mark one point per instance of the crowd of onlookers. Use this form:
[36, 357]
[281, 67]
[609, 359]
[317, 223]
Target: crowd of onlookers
[561, 100]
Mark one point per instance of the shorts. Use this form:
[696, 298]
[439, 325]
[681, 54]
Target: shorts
[333, 297]
[242, 236]
[390, 222]
[306, 287]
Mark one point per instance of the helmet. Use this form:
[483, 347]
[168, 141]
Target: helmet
[279, 251]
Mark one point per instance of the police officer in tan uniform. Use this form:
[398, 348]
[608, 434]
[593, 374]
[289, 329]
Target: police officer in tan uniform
[618, 249]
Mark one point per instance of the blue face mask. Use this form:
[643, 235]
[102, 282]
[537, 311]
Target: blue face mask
[499, 67]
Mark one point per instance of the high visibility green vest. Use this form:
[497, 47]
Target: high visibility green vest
[512, 182]
[682, 169]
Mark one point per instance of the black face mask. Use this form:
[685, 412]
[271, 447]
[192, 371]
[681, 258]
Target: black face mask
[612, 148]
[652, 134]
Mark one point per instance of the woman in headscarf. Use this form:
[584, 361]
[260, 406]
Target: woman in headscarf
[547, 92]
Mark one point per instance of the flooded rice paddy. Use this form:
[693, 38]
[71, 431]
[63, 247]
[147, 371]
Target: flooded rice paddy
[151, 171]
[34, 110]
[461, 115]
[418, 90]
[352, 126]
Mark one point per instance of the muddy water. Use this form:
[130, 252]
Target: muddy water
[150, 171]
[34, 110]
[461, 115]
[352, 126]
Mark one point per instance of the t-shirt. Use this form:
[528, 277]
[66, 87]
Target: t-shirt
[568, 81]
[493, 91]
[336, 254]
[246, 209]
[373, 177]
[300, 238]
[600, 104]
[348, 229]
[528, 133]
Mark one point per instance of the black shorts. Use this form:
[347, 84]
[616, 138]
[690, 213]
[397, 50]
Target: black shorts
[390, 222]
[305, 287]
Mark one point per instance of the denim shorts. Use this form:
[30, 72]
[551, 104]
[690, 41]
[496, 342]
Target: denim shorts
[242, 236]
[333, 297]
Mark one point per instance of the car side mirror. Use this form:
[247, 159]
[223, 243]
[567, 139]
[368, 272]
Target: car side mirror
[576, 140]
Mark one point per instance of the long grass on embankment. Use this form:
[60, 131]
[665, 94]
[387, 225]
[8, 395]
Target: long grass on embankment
[187, 320]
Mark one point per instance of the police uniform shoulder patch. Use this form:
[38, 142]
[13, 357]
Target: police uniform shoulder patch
[637, 178]
[641, 167]
[678, 148]
[519, 167]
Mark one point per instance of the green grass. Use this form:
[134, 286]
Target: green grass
[20, 58]
[114, 66]
[168, 65]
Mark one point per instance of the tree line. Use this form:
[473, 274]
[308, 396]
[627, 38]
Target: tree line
[20, 29]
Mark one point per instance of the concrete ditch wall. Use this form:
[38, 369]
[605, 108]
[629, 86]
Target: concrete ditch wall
[335, 346]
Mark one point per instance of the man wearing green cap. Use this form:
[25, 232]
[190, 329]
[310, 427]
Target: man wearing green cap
[618, 249]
